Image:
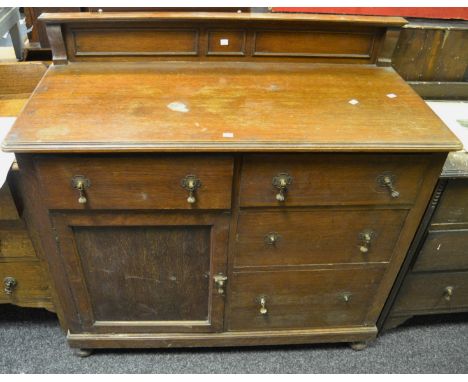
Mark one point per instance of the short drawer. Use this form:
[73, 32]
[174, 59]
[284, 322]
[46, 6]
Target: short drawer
[302, 299]
[326, 179]
[444, 250]
[22, 280]
[137, 182]
[317, 237]
[15, 241]
[433, 292]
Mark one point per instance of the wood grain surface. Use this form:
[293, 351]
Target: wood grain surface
[224, 107]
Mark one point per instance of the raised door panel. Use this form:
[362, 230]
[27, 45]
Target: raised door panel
[135, 42]
[145, 273]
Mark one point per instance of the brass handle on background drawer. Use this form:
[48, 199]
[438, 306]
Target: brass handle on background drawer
[346, 296]
[388, 181]
[191, 183]
[281, 182]
[9, 285]
[272, 238]
[448, 293]
[262, 302]
[81, 184]
[366, 237]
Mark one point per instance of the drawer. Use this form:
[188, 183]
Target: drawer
[29, 281]
[7, 205]
[137, 182]
[433, 292]
[444, 250]
[453, 206]
[317, 237]
[226, 43]
[15, 241]
[302, 299]
[330, 179]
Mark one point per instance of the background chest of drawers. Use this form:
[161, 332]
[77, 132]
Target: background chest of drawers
[23, 276]
[231, 201]
[435, 277]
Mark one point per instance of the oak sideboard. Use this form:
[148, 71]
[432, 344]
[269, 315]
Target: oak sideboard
[224, 179]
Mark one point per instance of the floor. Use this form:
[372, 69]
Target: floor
[32, 342]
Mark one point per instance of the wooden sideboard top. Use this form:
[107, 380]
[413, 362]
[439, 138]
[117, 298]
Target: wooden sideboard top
[205, 106]
[154, 16]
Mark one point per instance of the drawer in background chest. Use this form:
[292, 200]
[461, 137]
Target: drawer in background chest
[7, 205]
[322, 236]
[302, 299]
[443, 250]
[22, 280]
[136, 182]
[433, 292]
[453, 205]
[331, 179]
[15, 241]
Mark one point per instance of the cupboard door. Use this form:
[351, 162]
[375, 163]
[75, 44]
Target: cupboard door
[145, 272]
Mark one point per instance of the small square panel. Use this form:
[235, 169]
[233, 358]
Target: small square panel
[226, 43]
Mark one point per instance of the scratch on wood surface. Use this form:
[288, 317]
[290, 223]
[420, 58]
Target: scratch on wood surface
[141, 278]
[446, 34]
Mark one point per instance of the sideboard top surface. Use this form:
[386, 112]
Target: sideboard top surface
[231, 106]
[229, 16]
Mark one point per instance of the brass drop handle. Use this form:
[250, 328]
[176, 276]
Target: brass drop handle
[81, 184]
[191, 183]
[272, 238]
[9, 285]
[366, 237]
[281, 182]
[448, 293]
[346, 296]
[263, 308]
[220, 282]
[388, 181]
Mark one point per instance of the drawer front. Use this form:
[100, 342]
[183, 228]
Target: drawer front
[453, 206]
[7, 206]
[138, 182]
[330, 179]
[226, 43]
[444, 250]
[15, 242]
[429, 292]
[317, 237]
[301, 299]
[23, 280]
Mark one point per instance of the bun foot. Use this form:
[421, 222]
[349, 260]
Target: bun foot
[82, 353]
[357, 346]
